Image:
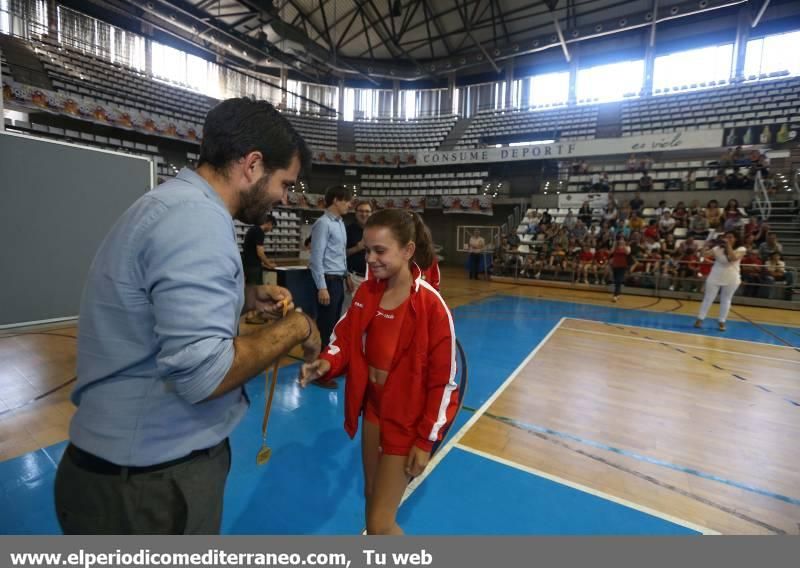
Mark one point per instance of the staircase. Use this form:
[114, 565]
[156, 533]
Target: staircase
[455, 134]
[346, 136]
[24, 63]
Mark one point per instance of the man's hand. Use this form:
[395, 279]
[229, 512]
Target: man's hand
[323, 297]
[269, 300]
[417, 461]
[348, 282]
[310, 372]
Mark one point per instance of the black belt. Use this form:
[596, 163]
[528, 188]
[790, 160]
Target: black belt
[95, 464]
[335, 277]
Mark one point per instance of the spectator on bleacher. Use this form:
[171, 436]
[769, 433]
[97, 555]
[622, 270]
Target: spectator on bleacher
[476, 247]
[558, 259]
[668, 244]
[583, 167]
[585, 264]
[720, 180]
[585, 213]
[725, 160]
[687, 269]
[732, 216]
[645, 182]
[611, 214]
[775, 269]
[694, 207]
[619, 262]
[579, 231]
[713, 214]
[666, 224]
[545, 221]
[652, 229]
[569, 219]
[632, 163]
[724, 278]
[770, 247]
[681, 215]
[594, 230]
[595, 183]
[624, 214]
[637, 203]
[605, 183]
[690, 245]
[737, 156]
[698, 226]
[689, 181]
[601, 264]
[752, 272]
[669, 268]
[662, 206]
[646, 164]
[636, 222]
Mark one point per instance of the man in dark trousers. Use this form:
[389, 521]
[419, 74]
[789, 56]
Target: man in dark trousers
[254, 261]
[161, 366]
[329, 263]
[356, 259]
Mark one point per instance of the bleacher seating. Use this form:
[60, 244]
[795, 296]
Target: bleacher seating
[567, 123]
[401, 135]
[320, 133]
[621, 179]
[774, 101]
[452, 183]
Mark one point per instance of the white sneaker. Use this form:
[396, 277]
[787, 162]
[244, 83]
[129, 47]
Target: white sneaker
[614, 299]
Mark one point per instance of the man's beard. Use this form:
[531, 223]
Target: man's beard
[254, 204]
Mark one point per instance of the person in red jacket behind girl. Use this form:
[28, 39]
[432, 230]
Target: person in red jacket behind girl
[397, 345]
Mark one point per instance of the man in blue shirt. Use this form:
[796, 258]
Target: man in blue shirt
[329, 262]
[161, 368]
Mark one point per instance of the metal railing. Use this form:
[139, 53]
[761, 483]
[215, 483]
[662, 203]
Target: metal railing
[761, 197]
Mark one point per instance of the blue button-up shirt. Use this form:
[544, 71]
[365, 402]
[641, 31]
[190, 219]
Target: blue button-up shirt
[328, 248]
[158, 316]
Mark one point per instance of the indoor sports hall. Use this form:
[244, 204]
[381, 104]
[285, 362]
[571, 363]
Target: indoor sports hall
[540, 142]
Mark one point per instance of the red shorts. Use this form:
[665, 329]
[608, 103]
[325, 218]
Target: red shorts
[398, 445]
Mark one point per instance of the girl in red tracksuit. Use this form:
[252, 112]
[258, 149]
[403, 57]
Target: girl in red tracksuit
[397, 345]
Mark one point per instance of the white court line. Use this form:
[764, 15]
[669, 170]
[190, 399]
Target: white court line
[460, 434]
[590, 491]
[687, 345]
[685, 333]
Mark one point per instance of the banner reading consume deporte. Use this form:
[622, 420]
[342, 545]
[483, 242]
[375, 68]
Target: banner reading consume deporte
[684, 140]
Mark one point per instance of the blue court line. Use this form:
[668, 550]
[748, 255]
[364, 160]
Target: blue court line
[655, 461]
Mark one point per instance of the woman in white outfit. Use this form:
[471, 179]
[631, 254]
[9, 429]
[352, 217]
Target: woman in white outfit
[723, 279]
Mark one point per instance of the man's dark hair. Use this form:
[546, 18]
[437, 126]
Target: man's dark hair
[236, 127]
[269, 219]
[335, 192]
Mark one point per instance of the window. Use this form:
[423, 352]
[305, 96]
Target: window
[692, 67]
[5, 22]
[610, 82]
[773, 53]
[549, 88]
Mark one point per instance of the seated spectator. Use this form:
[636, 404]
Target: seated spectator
[611, 214]
[669, 268]
[720, 180]
[636, 245]
[569, 220]
[737, 155]
[636, 222]
[669, 244]
[545, 221]
[632, 163]
[713, 214]
[601, 269]
[770, 247]
[605, 183]
[646, 164]
[579, 231]
[652, 229]
[775, 269]
[637, 203]
[666, 224]
[585, 214]
[694, 207]
[662, 206]
[645, 182]
[680, 215]
[595, 183]
[752, 272]
[698, 226]
[585, 265]
[583, 167]
[558, 259]
[688, 270]
[689, 181]
[624, 214]
[594, 230]
[689, 246]
[652, 261]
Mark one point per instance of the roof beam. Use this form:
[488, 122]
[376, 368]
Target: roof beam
[561, 36]
[761, 11]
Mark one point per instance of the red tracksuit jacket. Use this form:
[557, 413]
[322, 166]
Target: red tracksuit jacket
[420, 395]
